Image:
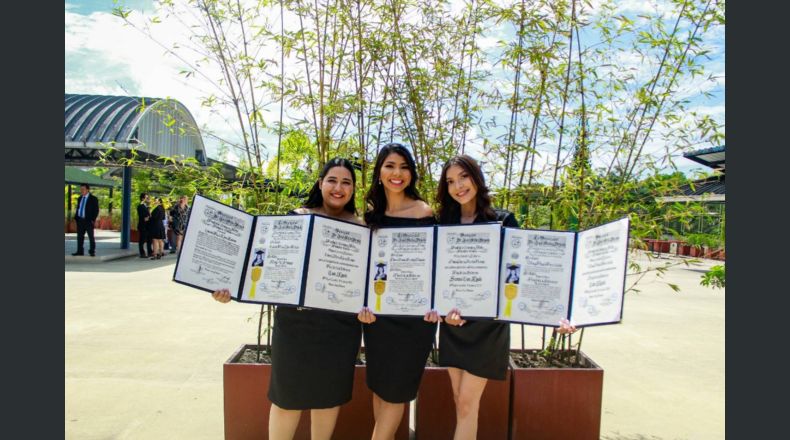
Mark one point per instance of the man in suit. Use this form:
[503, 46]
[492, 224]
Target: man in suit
[87, 211]
[143, 215]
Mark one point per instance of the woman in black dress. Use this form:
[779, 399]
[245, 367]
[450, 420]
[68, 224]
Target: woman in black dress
[472, 351]
[157, 229]
[396, 348]
[314, 351]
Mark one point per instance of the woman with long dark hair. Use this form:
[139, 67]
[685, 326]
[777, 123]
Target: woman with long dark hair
[396, 348]
[473, 351]
[314, 351]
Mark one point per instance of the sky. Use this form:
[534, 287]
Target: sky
[105, 57]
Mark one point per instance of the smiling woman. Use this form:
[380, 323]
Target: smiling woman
[314, 351]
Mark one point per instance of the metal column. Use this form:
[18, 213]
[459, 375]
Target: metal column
[126, 208]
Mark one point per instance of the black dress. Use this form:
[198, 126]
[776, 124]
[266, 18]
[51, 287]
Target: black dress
[397, 347]
[313, 357]
[479, 347]
[155, 226]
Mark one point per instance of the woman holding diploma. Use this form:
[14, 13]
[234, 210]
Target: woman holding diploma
[396, 348]
[473, 351]
[314, 351]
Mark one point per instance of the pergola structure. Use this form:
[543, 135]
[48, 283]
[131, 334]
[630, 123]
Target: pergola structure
[710, 189]
[118, 127]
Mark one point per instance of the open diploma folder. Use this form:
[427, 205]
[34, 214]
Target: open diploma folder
[318, 262]
[550, 275]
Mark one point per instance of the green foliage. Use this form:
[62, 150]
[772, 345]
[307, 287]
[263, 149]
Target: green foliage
[708, 240]
[714, 278]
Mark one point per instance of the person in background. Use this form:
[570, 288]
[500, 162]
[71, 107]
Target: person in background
[157, 229]
[179, 216]
[166, 226]
[85, 216]
[143, 216]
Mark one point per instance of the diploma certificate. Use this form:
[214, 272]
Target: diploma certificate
[399, 271]
[337, 266]
[214, 245]
[467, 269]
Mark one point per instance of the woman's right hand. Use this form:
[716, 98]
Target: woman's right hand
[454, 318]
[221, 295]
[366, 316]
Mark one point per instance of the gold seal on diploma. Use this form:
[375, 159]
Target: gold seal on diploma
[511, 286]
[257, 268]
[255, 274]
[380, 282]
[511, 291]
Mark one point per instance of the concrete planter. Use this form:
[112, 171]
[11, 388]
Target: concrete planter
[695, 251]
[435, 410]
[247, 405]
[556, 403]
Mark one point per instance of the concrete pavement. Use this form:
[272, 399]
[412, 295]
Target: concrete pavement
[144, 356]
[108, 247]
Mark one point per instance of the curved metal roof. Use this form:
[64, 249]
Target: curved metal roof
[92, 118]
[153, 127]
[710, 157]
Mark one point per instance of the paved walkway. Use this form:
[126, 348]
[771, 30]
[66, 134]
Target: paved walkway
[144, 356]
[108, 247]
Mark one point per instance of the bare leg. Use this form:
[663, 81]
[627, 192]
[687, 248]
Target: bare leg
[283, 422]
[455, 381]
[322, 423]
[467, 402]
[388, 416]
[179, 239]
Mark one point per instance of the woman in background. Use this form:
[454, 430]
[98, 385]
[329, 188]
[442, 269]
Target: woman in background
[157, 229]
[179, 215]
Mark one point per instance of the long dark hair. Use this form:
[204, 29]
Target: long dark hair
[375, 198]
[449, 209]
[316, 200]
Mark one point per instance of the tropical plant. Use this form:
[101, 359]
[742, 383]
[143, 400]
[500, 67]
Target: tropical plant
[715, 277]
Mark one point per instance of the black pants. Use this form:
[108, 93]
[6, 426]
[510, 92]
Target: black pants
[84, 225]
[144, 240]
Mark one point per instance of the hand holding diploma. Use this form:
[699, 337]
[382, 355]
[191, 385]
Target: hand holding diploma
[566, 328]
[454, 318]
[366, 316]
[221, 295]
[432, 316]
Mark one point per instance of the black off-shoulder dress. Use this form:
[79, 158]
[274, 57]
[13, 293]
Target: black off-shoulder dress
[313, 357]
[479, 347]
[396, 348]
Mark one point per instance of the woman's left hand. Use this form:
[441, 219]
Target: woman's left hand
[566, 328]
[432, 316]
